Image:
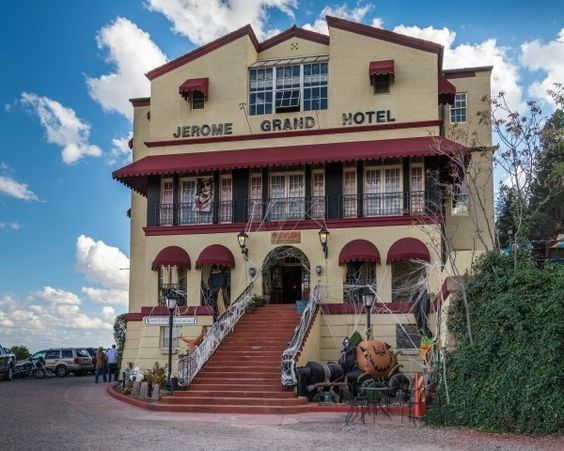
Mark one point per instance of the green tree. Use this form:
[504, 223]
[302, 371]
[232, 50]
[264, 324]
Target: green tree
[510, 378]
[504, 214]
[21, 352]
[547, 191]
[120, 327]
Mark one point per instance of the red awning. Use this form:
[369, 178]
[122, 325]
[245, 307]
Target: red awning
[381, 68]
[408, 249]
[447, 90]
[359, 250]
[216, 254]
[194, 84]
[135, 174]
[172, 256]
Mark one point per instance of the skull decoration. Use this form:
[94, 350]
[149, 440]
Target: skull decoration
[376, 358]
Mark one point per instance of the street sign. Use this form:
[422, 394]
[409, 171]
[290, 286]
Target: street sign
[163, 320]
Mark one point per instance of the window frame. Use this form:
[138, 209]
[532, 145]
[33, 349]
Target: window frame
[458, 109]
[195, 103]
[176, 332]
[419, 199]
[350, 202]
[225, 210]
[377, 81]
[317, 210]
[382, 170]
[274, 90]
[255, 203]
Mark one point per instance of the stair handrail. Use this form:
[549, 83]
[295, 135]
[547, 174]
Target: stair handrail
[288, 366]
[190, 364]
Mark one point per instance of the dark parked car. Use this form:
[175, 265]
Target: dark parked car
[7, 362]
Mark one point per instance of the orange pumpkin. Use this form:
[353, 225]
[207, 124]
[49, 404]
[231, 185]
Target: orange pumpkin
[376, 358]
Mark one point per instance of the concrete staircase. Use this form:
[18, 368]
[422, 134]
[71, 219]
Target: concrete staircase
[243, 376]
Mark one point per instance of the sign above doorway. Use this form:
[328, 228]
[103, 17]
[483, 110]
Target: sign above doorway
[286, 237]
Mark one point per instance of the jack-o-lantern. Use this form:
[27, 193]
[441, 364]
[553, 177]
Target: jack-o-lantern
[376, 358]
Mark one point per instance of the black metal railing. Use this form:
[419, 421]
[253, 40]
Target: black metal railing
[177, 289]
[287, 208]
[384, 204]
[298, 208]
[191, 213]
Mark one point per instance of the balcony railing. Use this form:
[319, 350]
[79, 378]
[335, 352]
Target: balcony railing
[188, 213]
[287, 208]
[384, 204]
[298, 208]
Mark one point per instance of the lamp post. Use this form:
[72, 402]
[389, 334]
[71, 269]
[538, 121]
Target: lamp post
[171, 305]
[242, 237]
[323, 236]
[368, 301]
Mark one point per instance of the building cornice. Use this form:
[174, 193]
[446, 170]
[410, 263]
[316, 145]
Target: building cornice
[312, 132]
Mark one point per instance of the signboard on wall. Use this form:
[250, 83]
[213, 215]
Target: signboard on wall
[163, 320]
[286, 237]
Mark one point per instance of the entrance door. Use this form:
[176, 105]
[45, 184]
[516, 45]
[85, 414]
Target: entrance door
[291, 284]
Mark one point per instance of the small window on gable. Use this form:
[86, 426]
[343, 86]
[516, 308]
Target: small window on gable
[458, 109]
[197, 100]
[381, 83]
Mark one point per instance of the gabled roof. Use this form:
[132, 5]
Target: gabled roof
[295, 32]
[385, 35]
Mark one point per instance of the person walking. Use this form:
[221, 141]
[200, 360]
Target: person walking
[100, 364]
[112, 356]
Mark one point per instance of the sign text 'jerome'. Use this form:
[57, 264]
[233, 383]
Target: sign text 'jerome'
[188, 131]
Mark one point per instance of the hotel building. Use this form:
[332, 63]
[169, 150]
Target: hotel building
[353, 133]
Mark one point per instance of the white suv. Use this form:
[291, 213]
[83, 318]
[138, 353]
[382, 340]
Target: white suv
[66, 360]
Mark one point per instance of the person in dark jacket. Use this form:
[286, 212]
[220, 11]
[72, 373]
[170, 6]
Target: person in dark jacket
[100, 364]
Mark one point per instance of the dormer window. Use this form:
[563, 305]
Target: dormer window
[197, 100]
[195, 91]
[381, 75]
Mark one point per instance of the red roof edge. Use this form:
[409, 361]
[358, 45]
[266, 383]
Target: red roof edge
[141, 101]
[293, 32]
[204, 49]
[384, 35]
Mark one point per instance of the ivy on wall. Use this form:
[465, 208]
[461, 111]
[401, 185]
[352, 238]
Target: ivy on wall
[511, 379]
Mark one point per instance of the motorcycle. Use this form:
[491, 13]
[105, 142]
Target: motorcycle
[32, 368]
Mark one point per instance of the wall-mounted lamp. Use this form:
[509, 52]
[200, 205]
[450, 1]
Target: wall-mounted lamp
[252, 272]
[242, 237]
[323, 236]
[319, 270]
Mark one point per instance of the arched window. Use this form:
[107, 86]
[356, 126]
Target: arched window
[359, 274]
[172, 279]
[408, 278]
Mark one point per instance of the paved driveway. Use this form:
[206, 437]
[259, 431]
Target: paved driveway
[75, 413]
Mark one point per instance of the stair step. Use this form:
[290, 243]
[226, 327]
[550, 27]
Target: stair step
[242, 385]
[232, 372]
[206, 408]
[235, 392]
[223, 400]
[238, 366]
[234, 379]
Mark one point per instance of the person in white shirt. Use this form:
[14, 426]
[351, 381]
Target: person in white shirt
[112, 358]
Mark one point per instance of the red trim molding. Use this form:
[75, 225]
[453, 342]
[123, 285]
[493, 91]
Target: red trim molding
[384, 35]
[160, 310]
[320, 131]
[293, 32]
[380, 308]
[141, 101]
[385, 221]
[203, 50]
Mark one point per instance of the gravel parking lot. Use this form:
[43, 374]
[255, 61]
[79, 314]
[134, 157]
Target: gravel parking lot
[75, 413]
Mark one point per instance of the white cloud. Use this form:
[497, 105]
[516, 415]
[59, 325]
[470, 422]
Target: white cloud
[120, 153]
[505, 76]
[548, 58]
[63, 127]
[344, 12]
[202, 21]
[56, 296]
[132, 53]
[107, 296]
[13, 188]
[52, 323]
[105, 265]
[108, 313]
[14, 225]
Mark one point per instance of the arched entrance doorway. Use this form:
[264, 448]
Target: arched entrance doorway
[286, 275]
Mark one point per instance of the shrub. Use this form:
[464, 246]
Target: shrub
[156, 375]
[510, 380]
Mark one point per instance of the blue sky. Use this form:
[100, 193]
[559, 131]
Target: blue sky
[69, 68]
